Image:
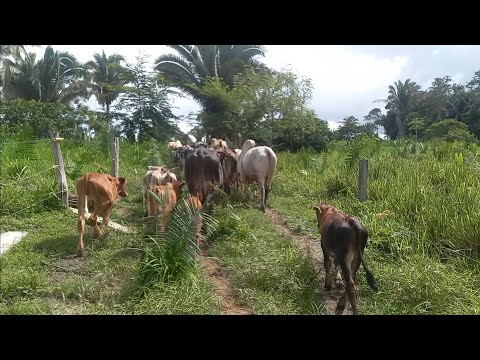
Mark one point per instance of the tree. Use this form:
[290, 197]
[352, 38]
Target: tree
[192, 65]
[416, 124]
[375, 118]
[449, 130]
[107, 78]
[148, 111]
[55, 77]
[349, 128]
[401, 101]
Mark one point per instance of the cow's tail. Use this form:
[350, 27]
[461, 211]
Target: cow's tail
[82, 195]
[362, 237]
[272, 165]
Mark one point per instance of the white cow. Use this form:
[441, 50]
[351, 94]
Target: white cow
[257, 163]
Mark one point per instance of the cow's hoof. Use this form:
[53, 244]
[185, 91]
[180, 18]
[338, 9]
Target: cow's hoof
[339, 284]
[80, 253]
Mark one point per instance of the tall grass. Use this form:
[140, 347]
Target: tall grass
[422, 213]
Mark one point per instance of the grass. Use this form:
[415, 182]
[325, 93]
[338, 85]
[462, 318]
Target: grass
[422, 216]
[39, 275]
[269, 274]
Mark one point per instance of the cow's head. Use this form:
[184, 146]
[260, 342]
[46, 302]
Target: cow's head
[161, 168]
[321, 212]
[122, 187]
[177, 187]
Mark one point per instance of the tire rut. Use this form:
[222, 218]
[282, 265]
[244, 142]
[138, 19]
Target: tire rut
[216, 275]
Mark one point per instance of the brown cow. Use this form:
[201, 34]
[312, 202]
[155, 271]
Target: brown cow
[100, 191]
[168, 195]
[202, 170]
[228, 159]
[174, 145]
[344, 239]
[156, 175]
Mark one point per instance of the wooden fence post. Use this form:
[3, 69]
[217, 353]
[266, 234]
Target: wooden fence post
[60, 170]
[115, 156]
[362, 180]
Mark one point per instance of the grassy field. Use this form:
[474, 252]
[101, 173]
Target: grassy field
[422, 215]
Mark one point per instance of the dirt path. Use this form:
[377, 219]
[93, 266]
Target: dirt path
[315, 254]
[217, 276]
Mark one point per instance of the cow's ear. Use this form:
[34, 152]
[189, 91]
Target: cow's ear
[317, 209]
[121, 179]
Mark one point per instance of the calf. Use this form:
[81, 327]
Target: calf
[168, 195]
[100, 191]
[156, 175]
[344, 239]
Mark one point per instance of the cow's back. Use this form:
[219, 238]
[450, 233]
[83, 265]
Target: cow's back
[257, 162]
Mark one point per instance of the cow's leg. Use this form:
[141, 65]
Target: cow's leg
[81, 225]
[338, 275]
[94, 224]
[107, 211]
[261, 190]
[328, 264]
[355, 265]
[346, 265]
[145, 203]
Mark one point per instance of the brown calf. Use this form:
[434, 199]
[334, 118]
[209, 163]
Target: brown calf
[168, 194]
[100, 191]
[344, 239]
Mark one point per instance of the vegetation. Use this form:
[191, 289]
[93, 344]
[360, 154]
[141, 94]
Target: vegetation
[422, 211]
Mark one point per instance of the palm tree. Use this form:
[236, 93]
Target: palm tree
[60, 77]
[401, 100]
[55, 77]
[107, 77]
[193, 64]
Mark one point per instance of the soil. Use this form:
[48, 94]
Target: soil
[218, 277]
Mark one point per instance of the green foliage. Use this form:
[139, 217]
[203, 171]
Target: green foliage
[422, 214]
[44, 118]
[145, 105]
[450, 130]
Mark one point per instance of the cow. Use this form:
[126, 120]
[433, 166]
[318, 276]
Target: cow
[168, 193]
[174, 145]
[344, 239]
[257, 163]
[202, 169]
[228, 159]
[218, 144]
[156, 175]
[181, 154]
[238, 151]
[100, 191]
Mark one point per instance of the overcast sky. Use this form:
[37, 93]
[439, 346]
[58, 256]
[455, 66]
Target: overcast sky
[346, 78]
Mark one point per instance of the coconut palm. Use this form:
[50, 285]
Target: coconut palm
[107, 77]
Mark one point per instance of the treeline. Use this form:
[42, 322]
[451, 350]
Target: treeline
[240, 97]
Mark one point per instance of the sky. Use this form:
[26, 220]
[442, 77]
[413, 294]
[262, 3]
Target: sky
[347, 79]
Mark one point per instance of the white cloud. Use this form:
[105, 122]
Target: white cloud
[346, 82]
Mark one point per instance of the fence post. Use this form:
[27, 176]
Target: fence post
[60, 170]
[362, 180]
[115, 156]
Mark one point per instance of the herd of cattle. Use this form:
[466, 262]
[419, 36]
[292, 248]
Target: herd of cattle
[212, 166]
